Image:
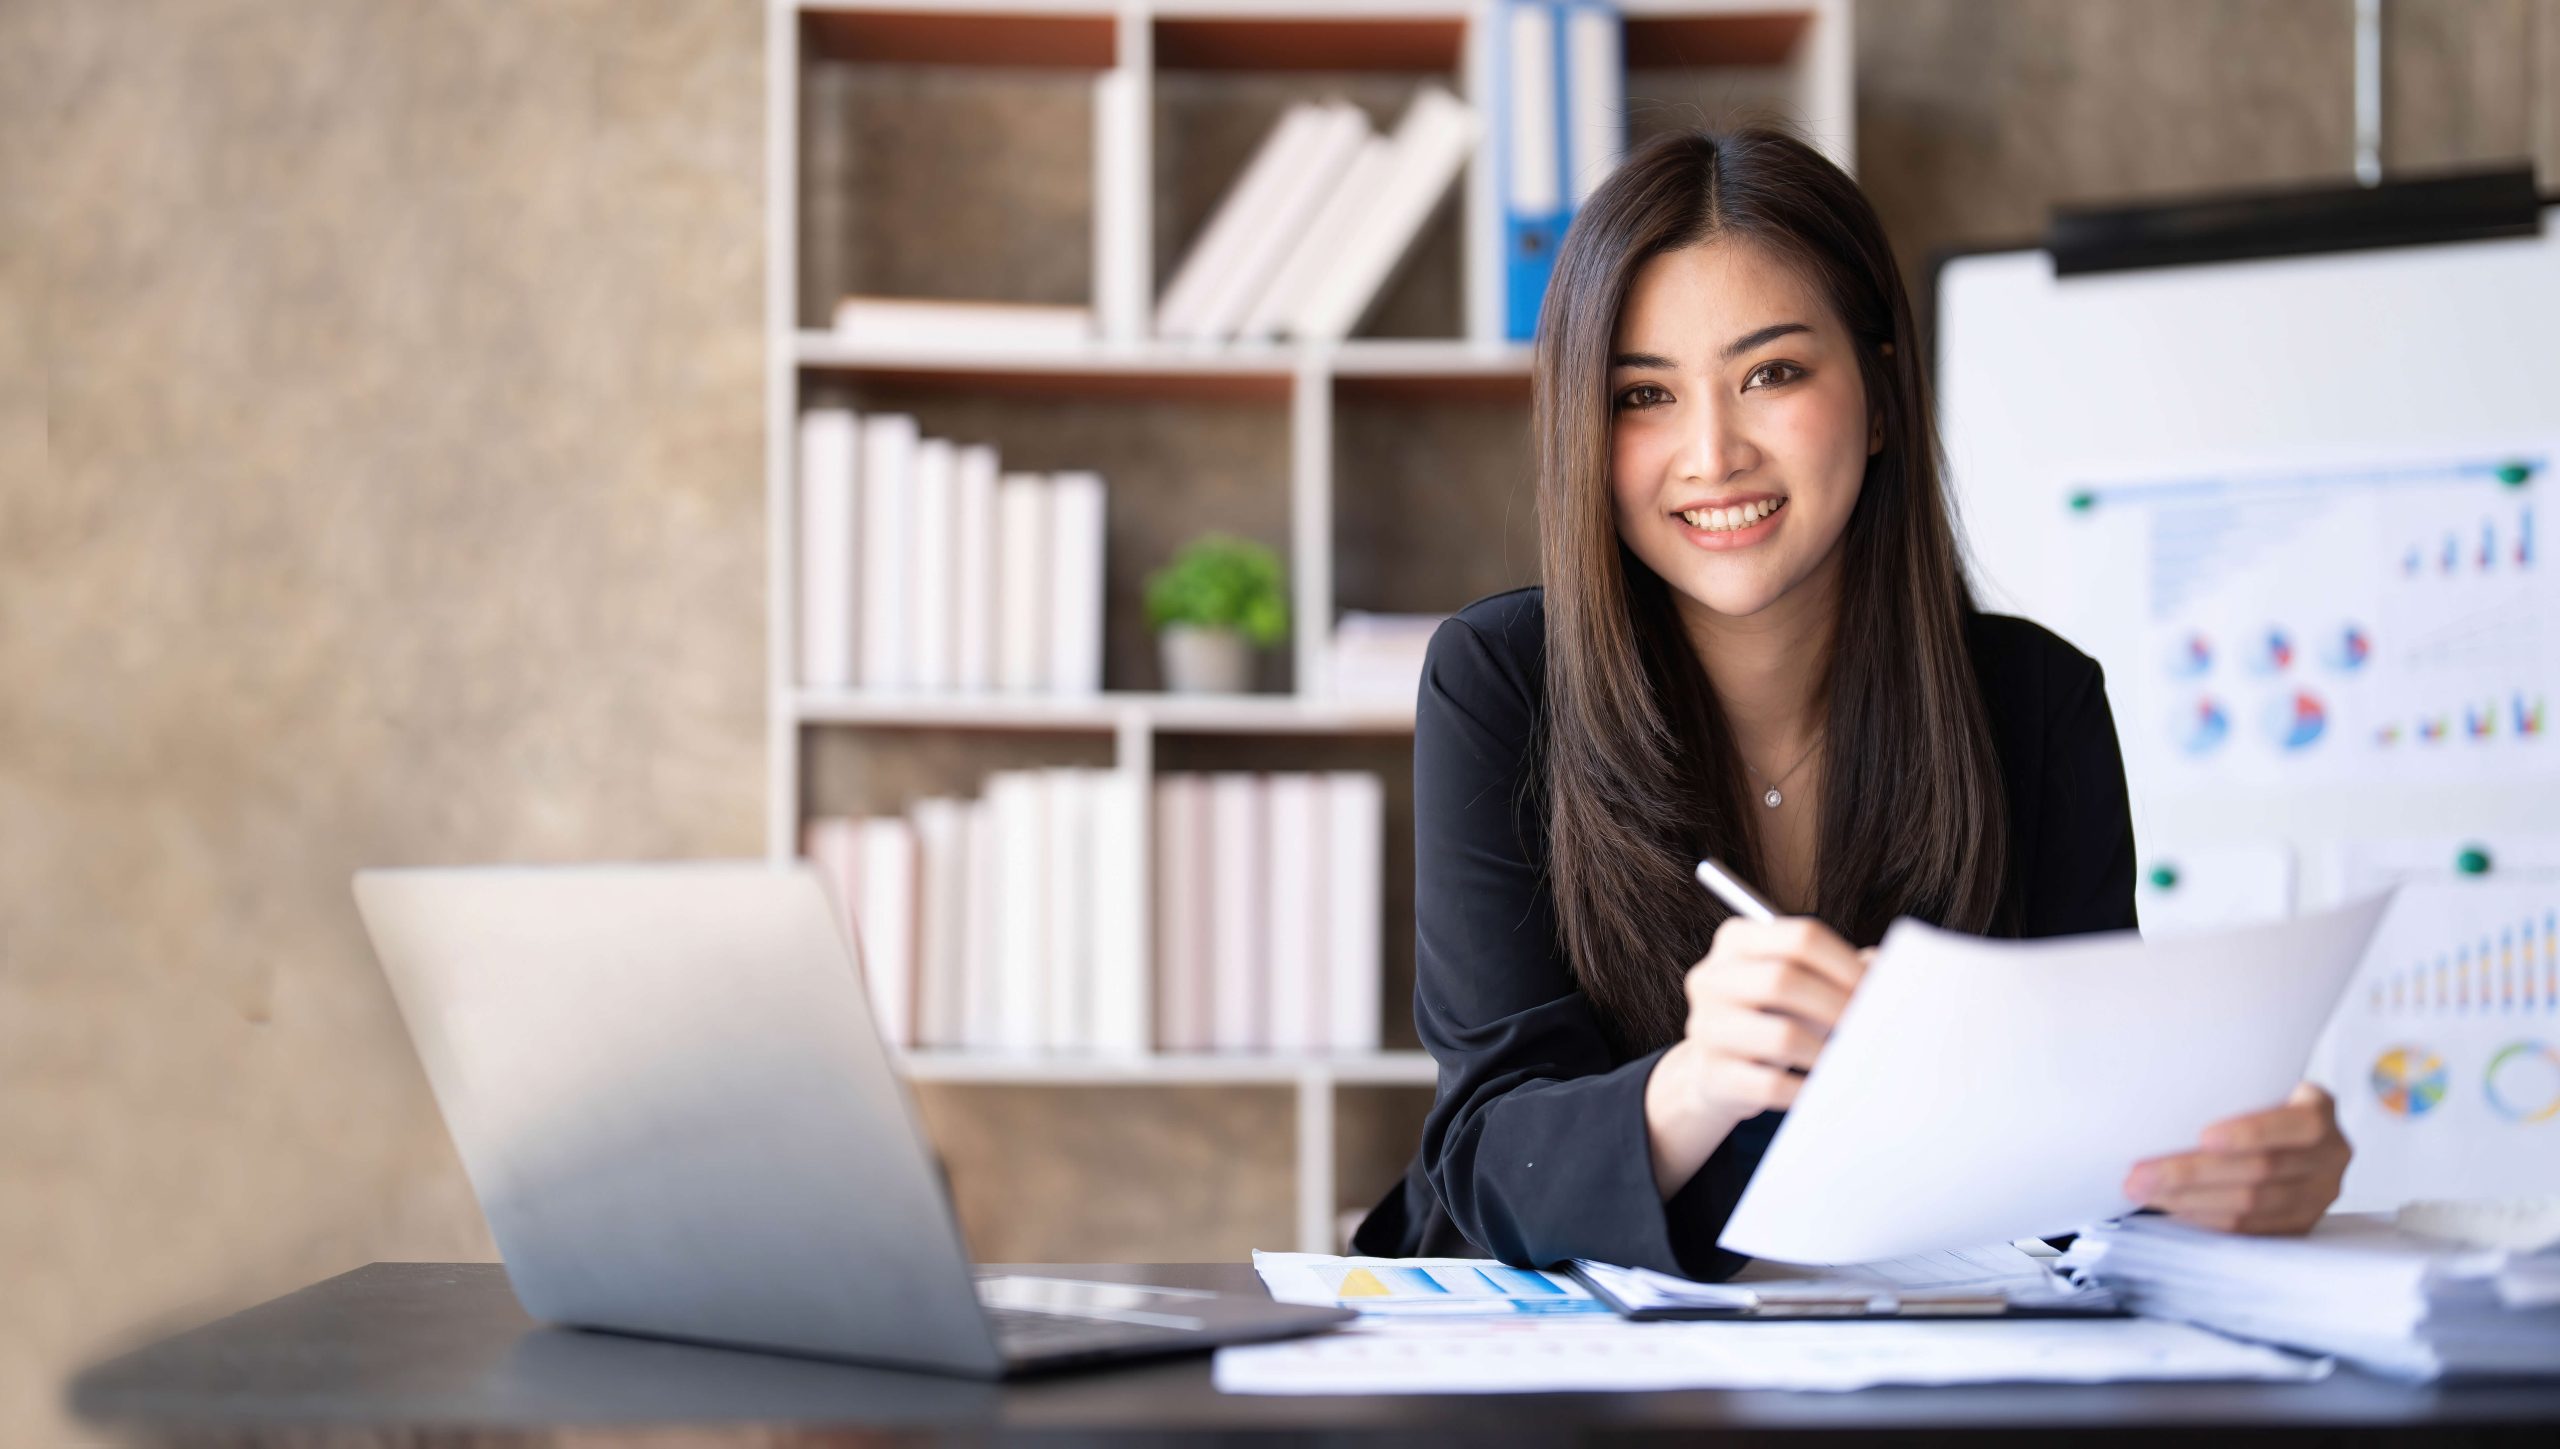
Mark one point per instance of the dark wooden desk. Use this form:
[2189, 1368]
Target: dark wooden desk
[439, 1353]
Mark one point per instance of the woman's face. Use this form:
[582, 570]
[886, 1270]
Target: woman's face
[1740, 432]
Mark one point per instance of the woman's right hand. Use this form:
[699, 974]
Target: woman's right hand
[1761, 1003]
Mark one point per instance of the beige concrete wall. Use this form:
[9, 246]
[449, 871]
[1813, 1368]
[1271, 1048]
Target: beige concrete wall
[397, 498]
[380, 450]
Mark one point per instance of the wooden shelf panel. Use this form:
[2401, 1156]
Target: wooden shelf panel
[1310, 42]
[1394, 1068]
[1030, 34]
[1682, 42]
[1243, 714]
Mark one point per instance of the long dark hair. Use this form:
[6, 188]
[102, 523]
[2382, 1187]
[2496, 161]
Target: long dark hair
[1642, 773]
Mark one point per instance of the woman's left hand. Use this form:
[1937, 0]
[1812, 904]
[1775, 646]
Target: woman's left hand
[2275, 1171]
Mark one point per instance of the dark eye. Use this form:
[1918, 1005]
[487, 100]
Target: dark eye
[1631, 397]
[1772, 374]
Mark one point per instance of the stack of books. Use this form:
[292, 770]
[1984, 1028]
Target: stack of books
[1311, 230]
[1268, 925]
[925, 568]
[2356, 1286]
[1017, 921]
[1011, 922]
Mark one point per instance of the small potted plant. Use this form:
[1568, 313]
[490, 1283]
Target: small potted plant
[1219, 600]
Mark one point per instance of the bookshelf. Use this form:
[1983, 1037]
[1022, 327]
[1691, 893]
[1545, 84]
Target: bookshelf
[1202, 69]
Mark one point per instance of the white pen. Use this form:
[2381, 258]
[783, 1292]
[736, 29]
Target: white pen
[1713, 874]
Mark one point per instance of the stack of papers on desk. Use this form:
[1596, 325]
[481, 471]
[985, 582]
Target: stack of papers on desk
[1505, 1330]
[2355, 1286]
[1989, 1279]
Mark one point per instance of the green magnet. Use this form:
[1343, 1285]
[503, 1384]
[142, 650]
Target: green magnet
[2165, 876]
[2513, 474]
[2472, 861]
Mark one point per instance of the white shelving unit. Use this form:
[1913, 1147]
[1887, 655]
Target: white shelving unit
[1806, 42]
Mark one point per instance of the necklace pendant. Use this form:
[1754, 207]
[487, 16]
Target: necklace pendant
[1772, 798]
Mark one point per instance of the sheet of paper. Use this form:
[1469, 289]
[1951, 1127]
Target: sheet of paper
[1996, 1271]
[1982, 1090]
[2445, 1053]
[1429, 1287]
[1535, 1355]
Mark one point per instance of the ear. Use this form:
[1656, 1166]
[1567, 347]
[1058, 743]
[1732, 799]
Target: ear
[1875, 435]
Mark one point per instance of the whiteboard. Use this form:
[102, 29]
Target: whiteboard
[2266, 455]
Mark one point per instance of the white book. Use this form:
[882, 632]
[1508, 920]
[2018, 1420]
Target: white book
[1350, 197]
[886, 918]
[1017, 810]
[1023, 547]
[1239, 921]
[1078, 529]
[1182, 912]
[826, 524]
[933, 569]
[1283, 212]
[1178, 313]
[1067, 871]
[888, 542]
[982, 895]
[1121, 1002]
[1432, 143]
[1299, 934]
[1120, 242]
[833, 847]
[1355, 817]
[942, 920]
[928, 325]
[973, 589]
[1595, 97]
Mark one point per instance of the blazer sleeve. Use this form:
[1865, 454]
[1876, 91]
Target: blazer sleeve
[2083, 872]
[1536, 1144]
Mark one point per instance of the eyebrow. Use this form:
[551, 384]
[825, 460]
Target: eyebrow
[1732, 350]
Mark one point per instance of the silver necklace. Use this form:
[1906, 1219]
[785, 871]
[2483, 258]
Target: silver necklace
[1771, 797]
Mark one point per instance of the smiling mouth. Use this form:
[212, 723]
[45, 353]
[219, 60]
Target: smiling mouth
[1731, 520]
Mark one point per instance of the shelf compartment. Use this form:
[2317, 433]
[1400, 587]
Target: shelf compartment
[1390, 1068]
[1246, 714]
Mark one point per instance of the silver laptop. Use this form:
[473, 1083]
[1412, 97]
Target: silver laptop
[666, 1087]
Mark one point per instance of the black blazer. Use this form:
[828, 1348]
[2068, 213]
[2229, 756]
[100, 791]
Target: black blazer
[1535, 1148]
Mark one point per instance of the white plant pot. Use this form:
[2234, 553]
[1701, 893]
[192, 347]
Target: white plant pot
[1205, 661]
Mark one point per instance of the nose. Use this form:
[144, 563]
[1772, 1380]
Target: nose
[1716, 448]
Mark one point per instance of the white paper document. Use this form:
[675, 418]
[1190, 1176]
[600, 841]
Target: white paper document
[1981, 1090]
[1550, 1355]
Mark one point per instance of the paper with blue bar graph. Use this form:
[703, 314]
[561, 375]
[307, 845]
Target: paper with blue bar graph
[2317, 617]
[1421, 1287]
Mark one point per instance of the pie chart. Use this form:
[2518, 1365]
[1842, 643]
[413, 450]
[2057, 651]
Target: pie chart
[2523, 1081]
[2202, 729]
[2408, 1081]
[2296, 720]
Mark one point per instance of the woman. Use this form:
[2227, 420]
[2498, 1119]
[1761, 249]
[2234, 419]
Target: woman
[1754, 642]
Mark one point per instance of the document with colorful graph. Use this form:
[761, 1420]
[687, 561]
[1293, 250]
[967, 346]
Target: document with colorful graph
[1423, 1287]
[2444, 1054]
[2315, 618]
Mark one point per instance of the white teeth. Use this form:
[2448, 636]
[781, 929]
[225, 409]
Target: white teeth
[1725, 520]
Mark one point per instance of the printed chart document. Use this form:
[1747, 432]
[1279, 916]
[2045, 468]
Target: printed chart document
[1427, 1287]
[1982, 1090]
